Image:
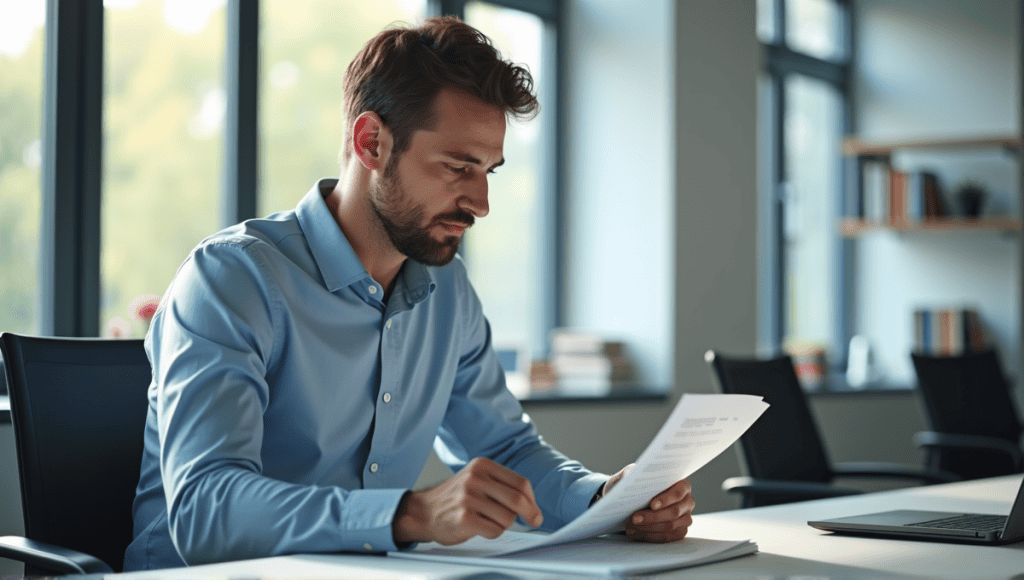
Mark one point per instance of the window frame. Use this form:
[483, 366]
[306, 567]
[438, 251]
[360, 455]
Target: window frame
[69, 288]
[780, 61]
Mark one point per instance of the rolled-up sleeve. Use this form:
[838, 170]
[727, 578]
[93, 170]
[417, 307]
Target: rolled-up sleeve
[212, 342]
[484, 419]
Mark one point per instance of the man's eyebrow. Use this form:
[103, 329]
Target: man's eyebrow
[470, 159]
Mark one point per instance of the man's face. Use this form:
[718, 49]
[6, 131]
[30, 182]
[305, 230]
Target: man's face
[430, 194]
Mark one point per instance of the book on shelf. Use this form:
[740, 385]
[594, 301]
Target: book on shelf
[885, 195]
[948, 331]
[854, 197]
[875, 182]
[897, 196]
[934, 206]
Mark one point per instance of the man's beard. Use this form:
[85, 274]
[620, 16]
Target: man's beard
[403, 222]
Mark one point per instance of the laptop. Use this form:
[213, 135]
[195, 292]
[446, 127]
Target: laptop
[939, 526]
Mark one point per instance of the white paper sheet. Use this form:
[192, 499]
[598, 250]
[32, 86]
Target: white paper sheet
[699, 428]
[602, 556]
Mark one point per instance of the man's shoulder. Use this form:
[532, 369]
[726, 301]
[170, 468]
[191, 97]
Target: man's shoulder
[264, 235]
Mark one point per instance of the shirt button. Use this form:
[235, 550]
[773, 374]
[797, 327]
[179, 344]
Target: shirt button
[387, 324]
[373, 289]
[368, 547]
[387, 397]
[373, 469]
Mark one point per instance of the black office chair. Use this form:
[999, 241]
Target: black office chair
[783, 452]
[79, 411]
[975, 431]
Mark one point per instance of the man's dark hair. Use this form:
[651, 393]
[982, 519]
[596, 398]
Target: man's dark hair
[399, 72]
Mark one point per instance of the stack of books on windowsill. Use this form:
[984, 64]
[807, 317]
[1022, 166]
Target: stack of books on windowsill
[585, 363]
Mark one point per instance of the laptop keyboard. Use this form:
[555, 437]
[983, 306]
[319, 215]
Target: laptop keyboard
[978, 523]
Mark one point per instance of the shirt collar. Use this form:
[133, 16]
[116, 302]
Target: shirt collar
[339, 266]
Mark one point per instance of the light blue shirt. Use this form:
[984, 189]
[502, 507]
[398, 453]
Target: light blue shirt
[291, 407]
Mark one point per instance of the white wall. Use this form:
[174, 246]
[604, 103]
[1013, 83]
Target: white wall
[928, 68]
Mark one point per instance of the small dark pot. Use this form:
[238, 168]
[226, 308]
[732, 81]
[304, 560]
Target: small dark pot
[971, 199]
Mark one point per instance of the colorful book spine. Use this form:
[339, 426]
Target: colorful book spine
[948, 331]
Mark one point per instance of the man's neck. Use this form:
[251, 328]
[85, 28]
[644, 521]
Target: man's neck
[349, 204]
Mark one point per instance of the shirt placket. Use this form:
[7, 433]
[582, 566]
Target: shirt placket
[387, 402]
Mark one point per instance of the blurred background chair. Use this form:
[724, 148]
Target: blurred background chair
[783, 452]
[975, 430]
[79, 410]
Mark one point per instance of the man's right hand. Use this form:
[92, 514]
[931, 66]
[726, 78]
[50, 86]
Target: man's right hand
[482, 499]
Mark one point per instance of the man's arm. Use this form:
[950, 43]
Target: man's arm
[484, 419]
[212, 341]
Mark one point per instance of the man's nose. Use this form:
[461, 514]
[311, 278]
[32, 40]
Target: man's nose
[474, 197]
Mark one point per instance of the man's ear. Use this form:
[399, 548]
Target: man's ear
[371, 141]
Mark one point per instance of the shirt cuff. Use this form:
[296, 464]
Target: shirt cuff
[577, 498]
[369, 519]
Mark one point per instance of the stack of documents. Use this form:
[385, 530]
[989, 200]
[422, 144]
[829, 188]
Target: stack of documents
[699, 428]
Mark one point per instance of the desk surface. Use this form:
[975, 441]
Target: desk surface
[788, 546]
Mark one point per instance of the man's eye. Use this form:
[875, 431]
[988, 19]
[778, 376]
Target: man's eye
[454, 169]
[491, 171]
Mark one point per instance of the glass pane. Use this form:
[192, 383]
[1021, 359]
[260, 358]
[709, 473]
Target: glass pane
[21, 152]
[306, 47]
[163, 146]
[766, 20]
[815, 27]
[508, 251]
[812, 127]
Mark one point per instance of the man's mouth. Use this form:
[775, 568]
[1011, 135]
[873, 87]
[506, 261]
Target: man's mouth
[455, 227]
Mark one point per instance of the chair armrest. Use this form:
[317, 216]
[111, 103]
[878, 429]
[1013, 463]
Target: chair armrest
[50, 557]
[968, 442]
[745, 485]
[892, 470]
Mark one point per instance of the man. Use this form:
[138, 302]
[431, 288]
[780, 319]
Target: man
[303, 364]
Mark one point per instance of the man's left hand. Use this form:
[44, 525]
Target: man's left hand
[665, 519]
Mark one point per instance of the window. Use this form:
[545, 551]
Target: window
[811, 129]
[164, 105]
[506, 253]
[306, 46]
[816, 28]
[21, 155]
[160, 141]
[803, 108]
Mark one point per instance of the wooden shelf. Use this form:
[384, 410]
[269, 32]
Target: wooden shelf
[851, 227]
[852, 146]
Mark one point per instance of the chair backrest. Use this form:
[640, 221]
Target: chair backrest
[79, 411]
[784, 443]
[968, 395]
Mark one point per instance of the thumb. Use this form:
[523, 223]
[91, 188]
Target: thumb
[618, 476]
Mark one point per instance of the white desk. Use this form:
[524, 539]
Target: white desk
[788, 546]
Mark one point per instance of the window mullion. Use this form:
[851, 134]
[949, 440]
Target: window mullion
[72, 168]
[241, 139]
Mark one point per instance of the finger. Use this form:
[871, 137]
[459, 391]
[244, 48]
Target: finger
[480, 502]
[618, 476]
[667, 513]
[673, 494]
[513, 491]
[682, 522]
[474, 524]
